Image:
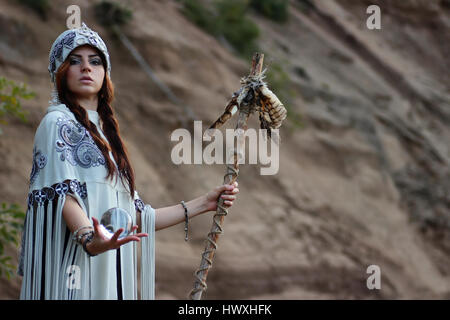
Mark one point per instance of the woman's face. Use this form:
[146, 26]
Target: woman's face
[86, 72]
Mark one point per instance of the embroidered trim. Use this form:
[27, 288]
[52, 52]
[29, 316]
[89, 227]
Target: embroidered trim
[139, 205]
[39, 162]
[40, 196]
[76, 145]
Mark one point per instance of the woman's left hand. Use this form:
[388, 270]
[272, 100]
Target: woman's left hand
[227, 192]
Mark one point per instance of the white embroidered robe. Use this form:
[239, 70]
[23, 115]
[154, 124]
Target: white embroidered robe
[67, 161]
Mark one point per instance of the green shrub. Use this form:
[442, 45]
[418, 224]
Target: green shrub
[11, 216]
[201, 15]
[10, 95]
[112, 13]
[236, 27]
[227, 19]
[305, 5]
[11, 222]
[276, 10]
[39, 6]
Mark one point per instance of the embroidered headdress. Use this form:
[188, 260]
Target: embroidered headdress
[66, 43]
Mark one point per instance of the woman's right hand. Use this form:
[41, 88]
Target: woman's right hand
[101, 243]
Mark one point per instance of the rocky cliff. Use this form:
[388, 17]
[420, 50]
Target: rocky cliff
[364, 181]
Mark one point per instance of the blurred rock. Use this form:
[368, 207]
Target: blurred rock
[365, 180]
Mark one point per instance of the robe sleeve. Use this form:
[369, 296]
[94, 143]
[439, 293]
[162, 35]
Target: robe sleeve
[50, 261]
[148, 249]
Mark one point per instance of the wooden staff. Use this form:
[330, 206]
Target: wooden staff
[229, 178]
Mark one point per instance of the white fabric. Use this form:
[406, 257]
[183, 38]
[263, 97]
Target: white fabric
[148, 254]
[92, 277]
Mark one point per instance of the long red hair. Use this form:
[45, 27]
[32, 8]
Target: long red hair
[110, 125]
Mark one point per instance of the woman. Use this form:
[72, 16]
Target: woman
[81, 169]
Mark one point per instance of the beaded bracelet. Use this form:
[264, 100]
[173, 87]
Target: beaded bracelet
[86, 241]
[78, 238]
[186, 220]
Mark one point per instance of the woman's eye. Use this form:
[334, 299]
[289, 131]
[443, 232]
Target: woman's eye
[96, 62]
[74, 61]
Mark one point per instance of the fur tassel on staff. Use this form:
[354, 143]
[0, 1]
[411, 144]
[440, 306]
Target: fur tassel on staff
[252, 96]
[271, 111]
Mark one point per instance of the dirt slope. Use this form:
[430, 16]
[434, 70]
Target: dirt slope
[365, 181]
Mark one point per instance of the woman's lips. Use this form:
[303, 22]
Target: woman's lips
[87, 81]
